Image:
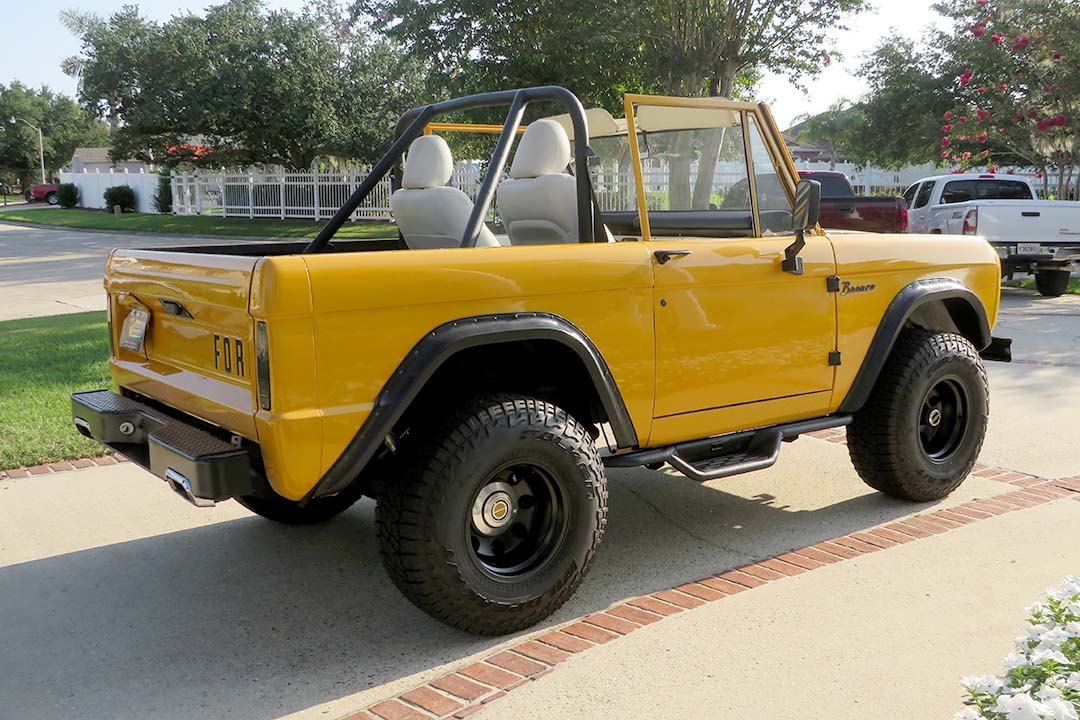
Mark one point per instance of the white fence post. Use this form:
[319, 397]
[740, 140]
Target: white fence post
[315, 190]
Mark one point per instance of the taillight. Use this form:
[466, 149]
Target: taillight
[262, 361]
[971, 222]
[903, 218]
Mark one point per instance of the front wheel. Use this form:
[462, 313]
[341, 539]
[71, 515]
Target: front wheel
[922, 428]
[496, 515]
[1052, 283]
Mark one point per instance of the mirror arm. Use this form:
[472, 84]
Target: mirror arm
[793, 262]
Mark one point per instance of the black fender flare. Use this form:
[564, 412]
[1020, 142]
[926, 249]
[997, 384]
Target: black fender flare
[918, 294]
[440, 344]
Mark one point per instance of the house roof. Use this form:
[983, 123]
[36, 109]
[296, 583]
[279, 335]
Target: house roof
[92, 155]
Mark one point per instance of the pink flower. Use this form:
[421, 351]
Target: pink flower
[977, 31]
[1057, 56]
[993, 169]
[966, 155]
[962, 119]
[965, 77]
[981, 3]
[1038, 175]
[946, 142]
[997, 38]
[827, 58]
[946, 129]
[944, 154]
[982, 90]
[982, 137]
[1060, 121]
[1004, 87]
[1043, 125]
[948, 115]
[983, 114]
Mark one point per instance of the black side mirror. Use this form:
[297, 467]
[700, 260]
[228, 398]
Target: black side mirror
[807, 208]
[804, 216]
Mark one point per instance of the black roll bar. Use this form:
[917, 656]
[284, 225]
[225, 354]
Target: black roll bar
[412, 123]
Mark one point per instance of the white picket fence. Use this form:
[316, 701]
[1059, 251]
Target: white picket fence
[92, 187]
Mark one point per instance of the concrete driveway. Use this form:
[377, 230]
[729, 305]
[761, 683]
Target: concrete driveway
[119, 600]
[51, 272]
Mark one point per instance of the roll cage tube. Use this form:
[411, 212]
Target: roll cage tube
[412, 123]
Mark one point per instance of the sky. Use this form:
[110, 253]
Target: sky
[33, 41]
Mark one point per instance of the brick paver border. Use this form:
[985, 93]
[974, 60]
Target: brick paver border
[63, 466]
[467, 690]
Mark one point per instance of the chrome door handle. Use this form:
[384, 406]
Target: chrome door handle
[662, 256]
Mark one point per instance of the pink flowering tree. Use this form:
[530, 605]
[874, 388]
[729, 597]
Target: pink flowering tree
[1018, 98]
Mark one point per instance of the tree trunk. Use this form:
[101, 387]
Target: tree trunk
[710, 154]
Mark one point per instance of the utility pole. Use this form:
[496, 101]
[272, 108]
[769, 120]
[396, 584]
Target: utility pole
[41, 144]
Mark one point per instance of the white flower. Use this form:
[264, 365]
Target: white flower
[1073, 681]
[1036, 632]
[968, 713]
[988, 684]
[1013, 661]
[1072, 629]
[1052, 639]
[1020, 707]
[1041, 656]
[1058, 709]
[1048, 692]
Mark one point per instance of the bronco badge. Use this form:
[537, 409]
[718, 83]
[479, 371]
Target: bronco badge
[846, 288]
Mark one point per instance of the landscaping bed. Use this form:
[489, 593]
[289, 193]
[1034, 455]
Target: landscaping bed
[43, 361]
[81, 219]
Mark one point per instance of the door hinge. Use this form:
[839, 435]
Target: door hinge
[834, 358]
[832, 283]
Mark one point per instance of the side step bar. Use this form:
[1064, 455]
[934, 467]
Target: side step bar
[726, 455]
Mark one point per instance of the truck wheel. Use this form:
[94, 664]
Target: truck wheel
[274, 507]
[496, 516]
[52, 199]
[1052, 283]
[920, 432]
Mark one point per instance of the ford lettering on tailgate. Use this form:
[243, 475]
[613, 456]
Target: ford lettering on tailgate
[229, 354]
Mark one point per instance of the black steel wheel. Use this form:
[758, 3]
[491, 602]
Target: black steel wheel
[1052, 282]
[496, 513]
[922, 428]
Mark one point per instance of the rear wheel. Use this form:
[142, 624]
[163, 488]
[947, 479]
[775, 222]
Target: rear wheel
[1052, 283]
[922, 428]
[496, 516]
[52, 199]
[289, 512]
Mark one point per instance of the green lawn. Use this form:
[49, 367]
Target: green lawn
[42, 361]
[1029, 284]
[11, 200]
[195, 224]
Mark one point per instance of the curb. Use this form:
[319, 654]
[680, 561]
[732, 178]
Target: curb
[63, 466]
[469, 689]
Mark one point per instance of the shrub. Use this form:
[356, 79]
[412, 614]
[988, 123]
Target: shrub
[67, 194]
[121, 195]
[1041, 678]
[163, 196]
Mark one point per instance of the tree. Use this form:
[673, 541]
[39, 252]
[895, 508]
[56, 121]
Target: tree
[242, 84]
[836, 129]
[1017, 100]
[64, 127]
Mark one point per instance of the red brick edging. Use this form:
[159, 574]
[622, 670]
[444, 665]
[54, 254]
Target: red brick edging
[62, 466]
[467, 690]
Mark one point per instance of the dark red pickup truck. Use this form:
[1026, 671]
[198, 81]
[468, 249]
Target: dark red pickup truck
[841, 210]
[41, 193]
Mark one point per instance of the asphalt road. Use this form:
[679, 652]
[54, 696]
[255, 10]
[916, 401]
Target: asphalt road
[119, 600]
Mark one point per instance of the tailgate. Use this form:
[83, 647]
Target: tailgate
[199, 354]
[1030, 222]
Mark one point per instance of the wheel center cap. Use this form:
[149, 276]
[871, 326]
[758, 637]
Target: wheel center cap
[494, 509]
[934, 418]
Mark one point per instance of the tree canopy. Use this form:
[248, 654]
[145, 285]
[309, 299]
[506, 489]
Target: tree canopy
[64, 127]
[243, 84]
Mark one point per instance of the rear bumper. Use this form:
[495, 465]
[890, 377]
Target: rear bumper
[197, 465]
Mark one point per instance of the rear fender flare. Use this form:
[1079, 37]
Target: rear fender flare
[442, 343]
[964, 308]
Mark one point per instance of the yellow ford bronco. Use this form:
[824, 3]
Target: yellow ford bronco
[656, 290]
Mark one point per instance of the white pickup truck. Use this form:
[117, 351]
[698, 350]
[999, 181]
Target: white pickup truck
[1031, 235]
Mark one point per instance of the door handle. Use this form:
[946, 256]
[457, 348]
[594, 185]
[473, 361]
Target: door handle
[662, 256]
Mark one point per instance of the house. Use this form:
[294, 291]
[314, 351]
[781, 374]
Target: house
[96, 159]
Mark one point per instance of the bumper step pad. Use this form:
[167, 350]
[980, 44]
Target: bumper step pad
[198, 465]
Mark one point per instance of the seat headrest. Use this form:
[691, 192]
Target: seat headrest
[428, 163]
[544, 149]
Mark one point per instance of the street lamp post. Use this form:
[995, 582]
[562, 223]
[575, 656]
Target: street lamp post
[40, 141]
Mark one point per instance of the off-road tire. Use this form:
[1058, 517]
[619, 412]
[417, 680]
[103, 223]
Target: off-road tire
[1052, 283]
[884, 437]
[423, 514]
[288, 512]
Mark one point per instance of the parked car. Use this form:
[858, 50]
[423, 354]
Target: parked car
[842, 210]
[1031, 235]
[465, 379]
[42, 193]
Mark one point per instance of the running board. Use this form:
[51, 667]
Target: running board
[726, 455]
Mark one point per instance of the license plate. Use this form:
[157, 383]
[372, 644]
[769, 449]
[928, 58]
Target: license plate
[1028, 248]
[134, 330]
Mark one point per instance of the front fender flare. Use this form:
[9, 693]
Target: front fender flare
[919, 293]
[437, 346]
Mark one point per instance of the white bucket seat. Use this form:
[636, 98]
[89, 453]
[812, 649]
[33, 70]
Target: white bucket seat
[538, 202]
[429, 214]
